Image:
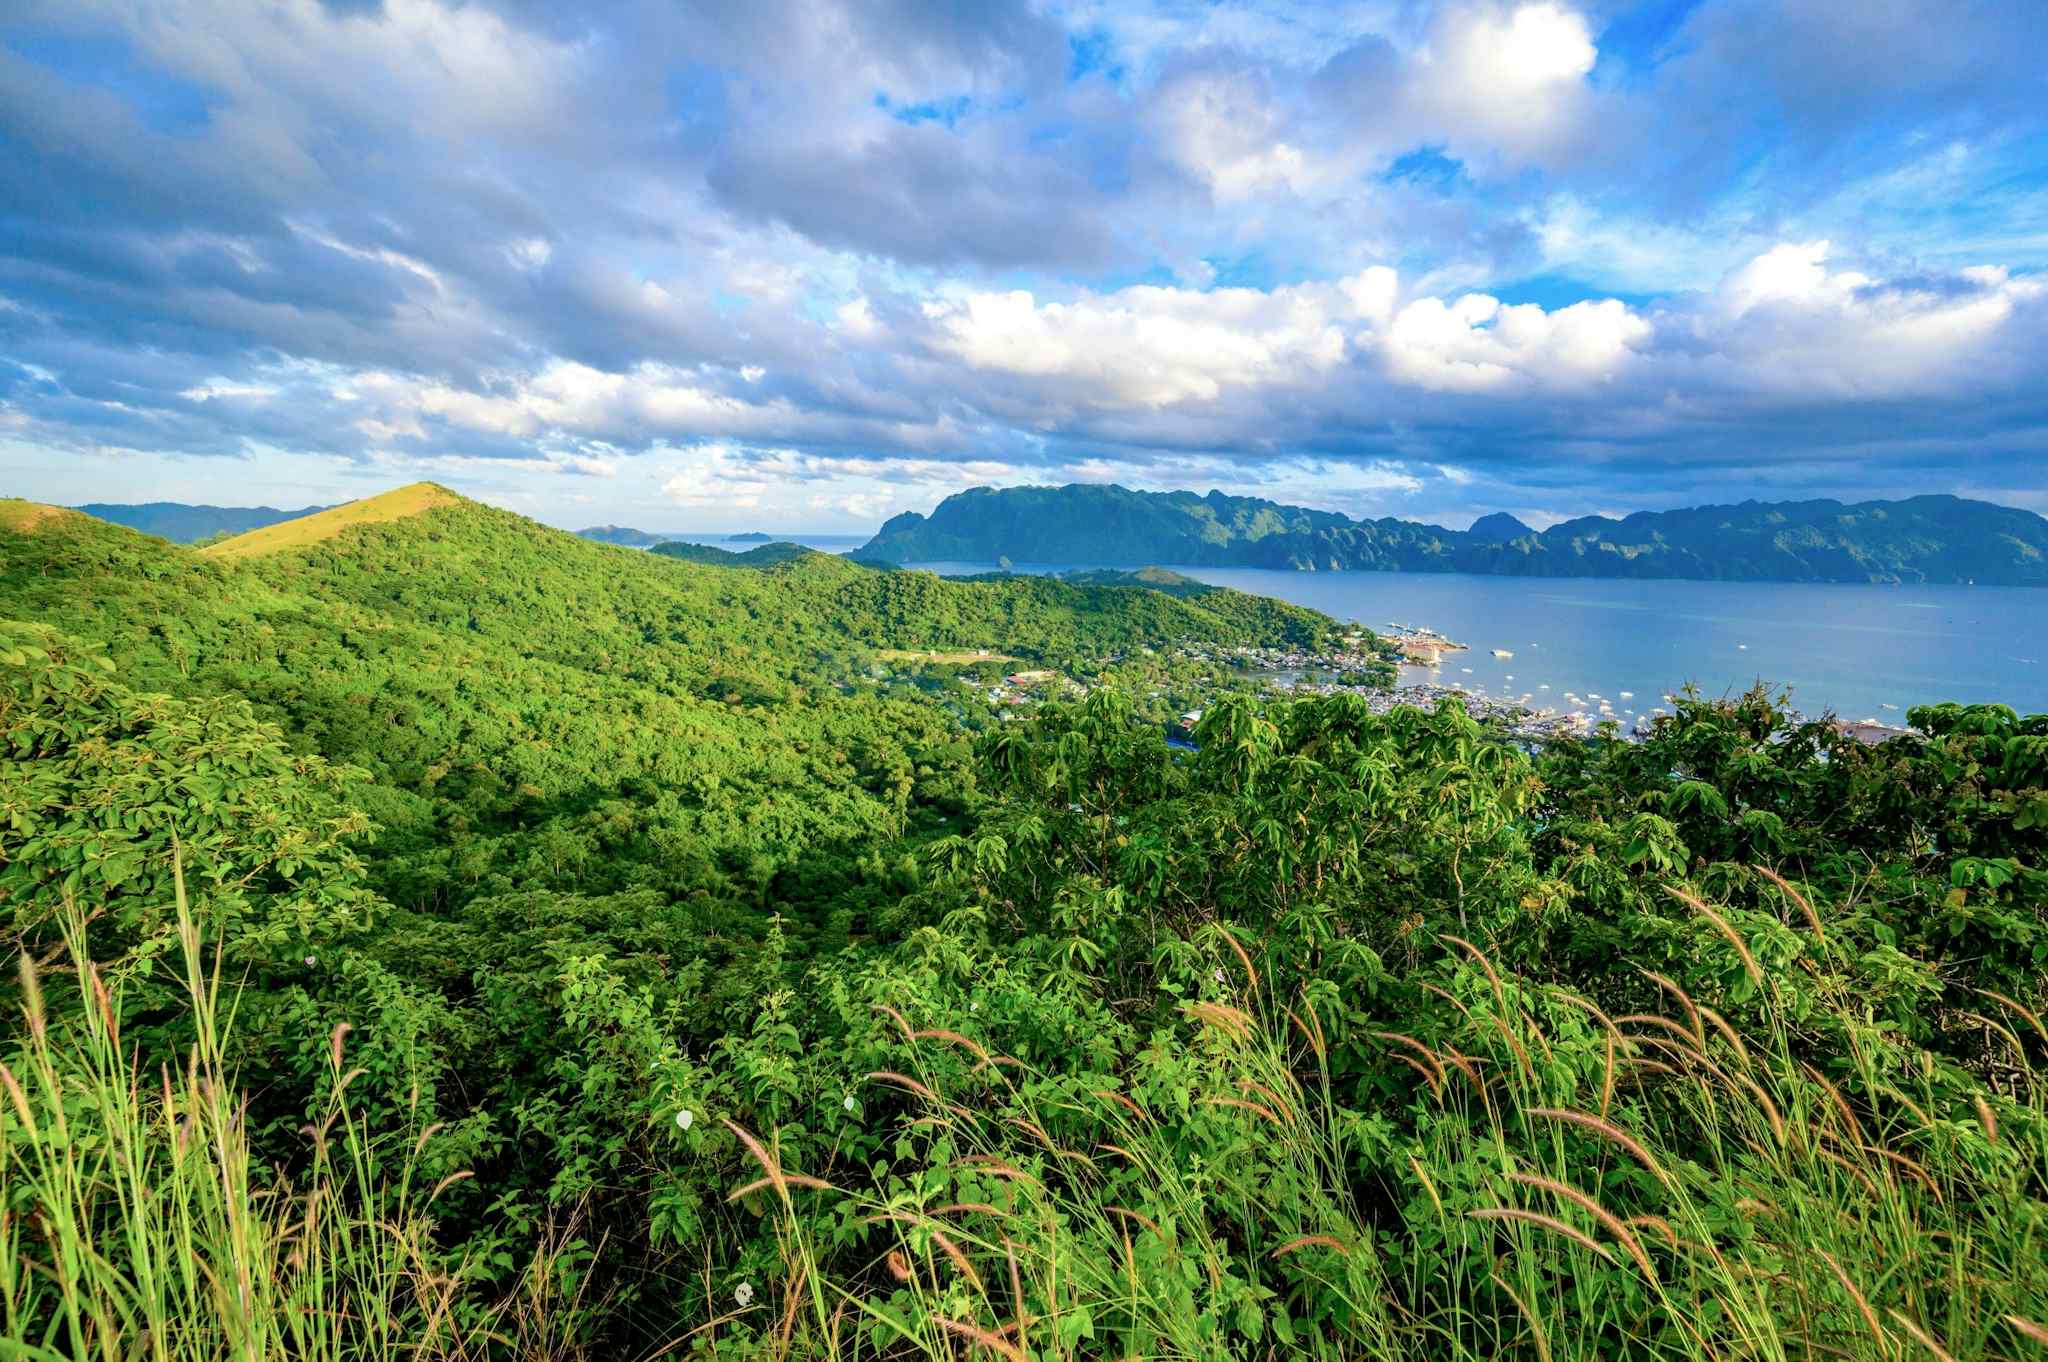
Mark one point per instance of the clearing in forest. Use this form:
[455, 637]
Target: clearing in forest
[958, 657]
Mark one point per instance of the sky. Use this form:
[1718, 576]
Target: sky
[805, 264]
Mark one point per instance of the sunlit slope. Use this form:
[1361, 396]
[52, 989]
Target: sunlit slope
[398, 504]
[25, 517]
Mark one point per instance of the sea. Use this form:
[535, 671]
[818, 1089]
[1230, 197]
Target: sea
[823, 543]
[1858, 652]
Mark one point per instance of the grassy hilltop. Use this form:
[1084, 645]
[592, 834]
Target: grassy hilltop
[397, 504]
[440, 936]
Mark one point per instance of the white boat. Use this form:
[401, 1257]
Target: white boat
[1502, 653]
[1626, 694]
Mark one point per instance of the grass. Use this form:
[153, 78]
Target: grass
[397, 504]
[23, 517]
[138, 1224]
[1560, 1184]
[1577, 1186]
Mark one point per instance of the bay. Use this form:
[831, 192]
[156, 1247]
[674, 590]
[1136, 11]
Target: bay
[1858, 651]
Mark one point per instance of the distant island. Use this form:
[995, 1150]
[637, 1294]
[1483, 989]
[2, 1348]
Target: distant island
[750, 537]
[1934, 539]
[768, 554]
[183, 524]
[622, 534]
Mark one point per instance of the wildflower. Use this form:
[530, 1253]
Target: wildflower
[1218, 975]
[974, 1007]
[684, 1117]
[312, 960]
[743, 1294]
[848, 1103]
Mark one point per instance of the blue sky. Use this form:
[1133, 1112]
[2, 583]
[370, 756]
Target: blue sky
[807, 263]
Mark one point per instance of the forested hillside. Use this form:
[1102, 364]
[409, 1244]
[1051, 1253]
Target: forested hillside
[1921, 539]
[443, 936]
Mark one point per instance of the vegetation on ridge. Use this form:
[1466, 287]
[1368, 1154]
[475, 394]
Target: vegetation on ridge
[451, 938]
[1921, 539]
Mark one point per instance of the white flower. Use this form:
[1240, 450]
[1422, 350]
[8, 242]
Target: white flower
[744, 1294]
[684, 1117]
[312, 960]
[974, 1007]
[1218, 975]
[848, 1103]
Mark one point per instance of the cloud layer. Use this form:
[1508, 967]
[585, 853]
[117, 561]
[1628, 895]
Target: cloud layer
[811, 263]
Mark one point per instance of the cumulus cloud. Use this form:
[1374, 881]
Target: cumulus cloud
[1149, 346]
[1477, 345]
[1158, 347]
[1507, 79]
[1784, 323]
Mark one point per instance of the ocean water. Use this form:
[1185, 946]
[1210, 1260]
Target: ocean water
[1853, 650]
[824, 543]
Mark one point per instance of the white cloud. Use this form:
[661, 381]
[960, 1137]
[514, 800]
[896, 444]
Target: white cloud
[1222, 123]
[1478, 345]
[1160, 347]
[529, 253]
[221, 389]
[1785, 324]
[568, 397]
[1156, 347]
[1506, 78]
[858, 320]
[1793, 272]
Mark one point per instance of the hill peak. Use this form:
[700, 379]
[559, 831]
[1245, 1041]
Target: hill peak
[23, 517]
[399, 503]
[1499, 528]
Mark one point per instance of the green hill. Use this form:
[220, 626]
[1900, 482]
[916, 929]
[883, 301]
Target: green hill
[1922, 539]
[765, 555]
[1156, 578]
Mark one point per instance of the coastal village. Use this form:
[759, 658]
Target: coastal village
[1359, 666]
[1419, 652]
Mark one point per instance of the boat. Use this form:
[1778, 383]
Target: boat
[1626, 694]
[1502, 653]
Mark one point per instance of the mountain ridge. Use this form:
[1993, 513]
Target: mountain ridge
[184, 523]
[1935, 538]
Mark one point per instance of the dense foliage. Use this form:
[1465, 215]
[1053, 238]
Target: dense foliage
[569, 951]
[1922, 539]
